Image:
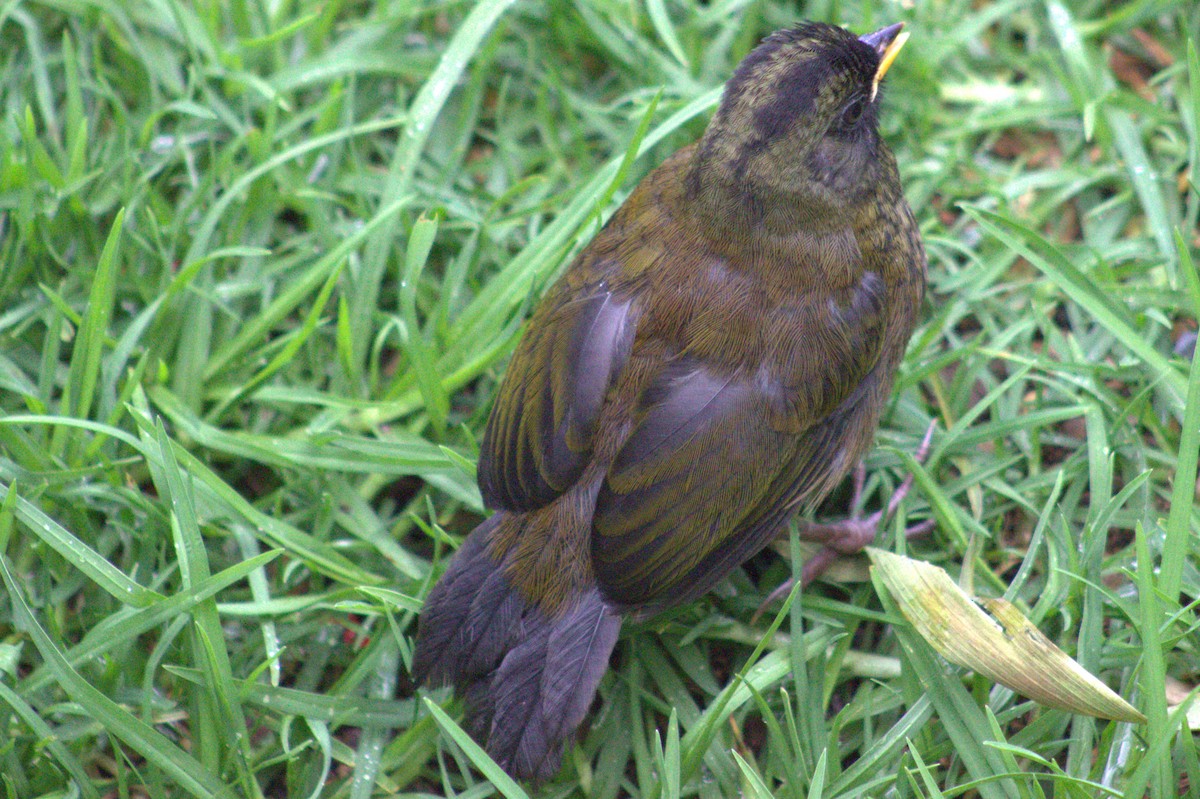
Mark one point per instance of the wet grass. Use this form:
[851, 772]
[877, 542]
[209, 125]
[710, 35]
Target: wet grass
[261, 266]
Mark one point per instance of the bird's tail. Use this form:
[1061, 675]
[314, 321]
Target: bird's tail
[528, 676]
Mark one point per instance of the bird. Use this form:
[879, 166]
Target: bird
[713, 362]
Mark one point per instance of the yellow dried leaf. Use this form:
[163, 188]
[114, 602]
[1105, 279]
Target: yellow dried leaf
[1003, 646]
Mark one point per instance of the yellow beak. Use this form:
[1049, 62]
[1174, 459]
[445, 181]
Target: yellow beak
[887, 42]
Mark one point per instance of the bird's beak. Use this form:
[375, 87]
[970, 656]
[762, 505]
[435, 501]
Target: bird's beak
[887, 43]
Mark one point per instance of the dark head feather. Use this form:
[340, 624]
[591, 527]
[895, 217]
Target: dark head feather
[797, 120]
[799, 61]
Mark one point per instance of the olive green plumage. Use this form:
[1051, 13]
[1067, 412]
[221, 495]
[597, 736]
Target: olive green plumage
[716, 359]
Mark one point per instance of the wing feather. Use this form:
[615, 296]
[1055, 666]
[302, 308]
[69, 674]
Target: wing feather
[540, 435]
[718, 460]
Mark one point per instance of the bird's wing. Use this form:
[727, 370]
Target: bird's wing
[540, 434]
[717, 461]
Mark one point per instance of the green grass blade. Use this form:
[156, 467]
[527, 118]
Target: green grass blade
[79, 554]
[186, 772]
[1042, 254]
[93, 327]
[1183, 491]
[82, 782]
[503, 783]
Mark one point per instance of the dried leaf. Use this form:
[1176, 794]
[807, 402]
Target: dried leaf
[1133, 72]
[1154, 48]
[1003, 646]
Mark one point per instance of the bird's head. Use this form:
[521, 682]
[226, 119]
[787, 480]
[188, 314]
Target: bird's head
[798, 121]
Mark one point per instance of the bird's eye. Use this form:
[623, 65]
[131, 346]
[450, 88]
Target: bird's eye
[853, 112]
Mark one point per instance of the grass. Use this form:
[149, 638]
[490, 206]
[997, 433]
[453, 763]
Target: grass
[261, 265]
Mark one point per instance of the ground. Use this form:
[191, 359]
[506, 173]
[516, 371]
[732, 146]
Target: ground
[262, 265]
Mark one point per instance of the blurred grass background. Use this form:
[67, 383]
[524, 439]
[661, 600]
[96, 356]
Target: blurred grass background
[262, 264]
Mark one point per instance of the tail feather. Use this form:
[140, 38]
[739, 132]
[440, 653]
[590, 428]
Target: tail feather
[481, 707]
[448, 603]
[527, 676]
[516, 740]
[490, 626]
[545, 685]
[577, 658]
